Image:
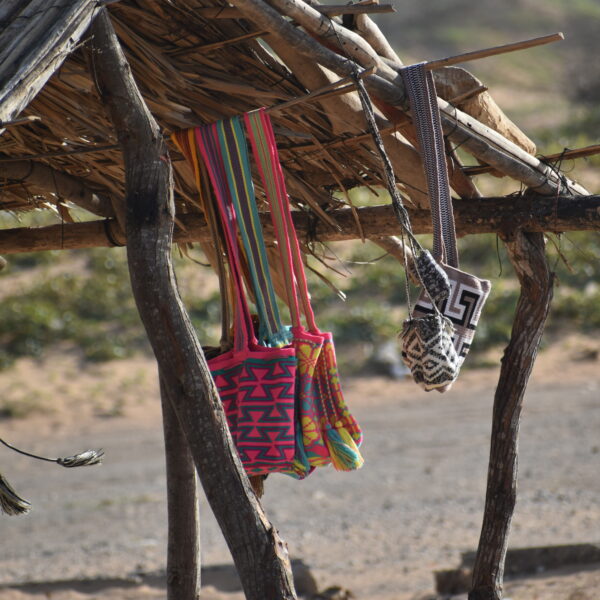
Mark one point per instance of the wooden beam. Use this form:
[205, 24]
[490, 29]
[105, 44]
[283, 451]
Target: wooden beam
[35, 41]
[566, 154]
[484, 215]
[260, 555]
[230, 12]
[67, 187]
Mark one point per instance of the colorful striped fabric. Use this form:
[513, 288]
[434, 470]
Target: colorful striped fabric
[231, 141]
[329, 431]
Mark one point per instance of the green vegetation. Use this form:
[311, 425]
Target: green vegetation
[83, 298]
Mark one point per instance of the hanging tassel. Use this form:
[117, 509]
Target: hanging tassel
[83, 459]
[10, 502]
[301, 466]
[258, 484]
[343, 450]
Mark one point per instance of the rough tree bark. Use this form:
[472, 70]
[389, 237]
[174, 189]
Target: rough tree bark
[526, 251]
[183, 546]
[259, 554]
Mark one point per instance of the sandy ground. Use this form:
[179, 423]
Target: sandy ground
[380, 532]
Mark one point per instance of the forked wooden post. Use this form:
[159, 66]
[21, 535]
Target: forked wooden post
[526, 252]
[259, 554]
[183, 545]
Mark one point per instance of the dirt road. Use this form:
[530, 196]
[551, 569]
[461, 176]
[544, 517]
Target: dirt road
[380, 532]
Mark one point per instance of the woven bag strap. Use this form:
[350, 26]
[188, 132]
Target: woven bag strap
[185, 140]
[208, 142]
[236, 163]
[262, 139]
[426, 120]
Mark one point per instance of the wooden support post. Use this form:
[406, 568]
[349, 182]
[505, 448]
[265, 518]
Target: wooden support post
[526, 252]
[183, 546]
[259, 554]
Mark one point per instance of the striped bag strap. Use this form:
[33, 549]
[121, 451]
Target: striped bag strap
[426, 120]
[208, 142]
[236, 163]
[262, 138]
[185, 140]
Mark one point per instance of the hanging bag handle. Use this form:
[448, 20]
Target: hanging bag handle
[426, 120]
[236, 165]
[262, 138]
[185, 141]
[208, 142]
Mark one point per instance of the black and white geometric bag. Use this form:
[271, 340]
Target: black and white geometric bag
[452, 313]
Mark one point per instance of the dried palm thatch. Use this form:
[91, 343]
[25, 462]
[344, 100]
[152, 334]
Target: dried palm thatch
[193, 67]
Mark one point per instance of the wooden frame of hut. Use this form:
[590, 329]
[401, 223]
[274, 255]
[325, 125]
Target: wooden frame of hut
[90, 91]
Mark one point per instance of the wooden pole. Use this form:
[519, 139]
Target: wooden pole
[485, 215]
[566, 154]
[526, 252]
[43, 35]
[484, 53]
[66, 187]
[183, 546]
[229, 12]
[260, 556]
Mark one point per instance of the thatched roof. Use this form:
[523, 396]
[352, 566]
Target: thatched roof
[192, 69]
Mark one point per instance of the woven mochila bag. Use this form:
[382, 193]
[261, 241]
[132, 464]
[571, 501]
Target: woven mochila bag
[256, 384]
[328, 431]
[454, 313]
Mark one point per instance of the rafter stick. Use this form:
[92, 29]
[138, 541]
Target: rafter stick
[229, 12]
[317, 94]
[565, 154]
[58, 153]
[485, 215]
[390, 130]
[468, 95]
[21, 121]
[64, 185]
[216, 45]
[477, 54]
